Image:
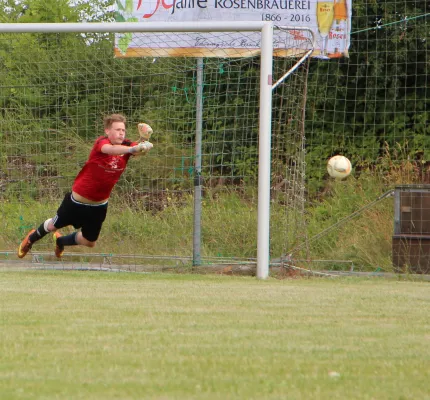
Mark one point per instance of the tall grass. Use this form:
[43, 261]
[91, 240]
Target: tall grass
[365, 239]
[229, 226]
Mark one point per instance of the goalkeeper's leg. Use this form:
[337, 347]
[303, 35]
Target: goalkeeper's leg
[33, 236]
[75, 238]
[61, 241]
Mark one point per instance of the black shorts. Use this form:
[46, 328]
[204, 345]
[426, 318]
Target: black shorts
[88, 217]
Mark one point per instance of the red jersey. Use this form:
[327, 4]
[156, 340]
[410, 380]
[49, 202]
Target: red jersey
[101, 172]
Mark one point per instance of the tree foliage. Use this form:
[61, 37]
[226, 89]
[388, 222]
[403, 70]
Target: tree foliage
[377, 99]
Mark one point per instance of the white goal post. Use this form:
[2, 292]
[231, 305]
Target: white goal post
[267, 84]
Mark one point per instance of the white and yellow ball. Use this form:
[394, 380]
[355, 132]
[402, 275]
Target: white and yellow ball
[339, 167]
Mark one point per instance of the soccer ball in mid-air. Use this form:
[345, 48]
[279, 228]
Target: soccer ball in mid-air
[339, 167]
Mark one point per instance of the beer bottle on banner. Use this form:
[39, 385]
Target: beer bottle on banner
[339, 30]
[325, 15]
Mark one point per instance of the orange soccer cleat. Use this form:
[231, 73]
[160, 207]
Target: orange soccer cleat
[25, 245]
[59, 250]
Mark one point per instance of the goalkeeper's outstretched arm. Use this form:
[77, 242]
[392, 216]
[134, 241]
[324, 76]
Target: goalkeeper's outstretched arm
[118, 149]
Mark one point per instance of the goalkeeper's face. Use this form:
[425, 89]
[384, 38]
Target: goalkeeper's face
[116, 133]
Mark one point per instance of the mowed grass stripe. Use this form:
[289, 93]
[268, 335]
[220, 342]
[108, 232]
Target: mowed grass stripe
[80, 335]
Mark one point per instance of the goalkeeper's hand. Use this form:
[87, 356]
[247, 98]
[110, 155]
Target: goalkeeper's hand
[145, 131]
[142, 147]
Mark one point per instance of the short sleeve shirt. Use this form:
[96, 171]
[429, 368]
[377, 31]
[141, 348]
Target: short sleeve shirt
[101, 172]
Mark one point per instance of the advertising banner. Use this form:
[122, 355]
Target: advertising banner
[330, 20]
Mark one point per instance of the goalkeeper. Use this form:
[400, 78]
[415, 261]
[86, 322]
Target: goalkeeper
[85, 207]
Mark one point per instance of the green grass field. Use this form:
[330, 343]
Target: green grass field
[85, 335]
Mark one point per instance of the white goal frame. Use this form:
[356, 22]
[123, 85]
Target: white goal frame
[265, 101]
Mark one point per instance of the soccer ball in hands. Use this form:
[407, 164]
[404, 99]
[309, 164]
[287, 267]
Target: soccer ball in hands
[339, 167]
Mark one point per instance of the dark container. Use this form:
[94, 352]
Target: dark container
[411, 253]
[411, 239]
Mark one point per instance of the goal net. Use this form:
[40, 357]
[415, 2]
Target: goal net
[55, 88]
[373, 108]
